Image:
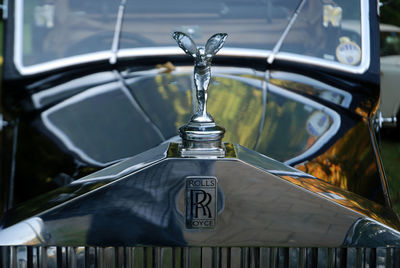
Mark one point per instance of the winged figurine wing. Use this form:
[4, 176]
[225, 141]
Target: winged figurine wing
[186, 43]
[215, 43]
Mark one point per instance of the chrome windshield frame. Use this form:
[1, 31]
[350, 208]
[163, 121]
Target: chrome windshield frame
[171, 50]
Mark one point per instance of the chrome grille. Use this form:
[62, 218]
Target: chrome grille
[196, 257]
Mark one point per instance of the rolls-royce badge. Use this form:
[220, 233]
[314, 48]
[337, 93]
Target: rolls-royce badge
[201, 202]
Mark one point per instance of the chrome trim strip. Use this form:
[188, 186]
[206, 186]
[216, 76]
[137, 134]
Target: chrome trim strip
[168, 51]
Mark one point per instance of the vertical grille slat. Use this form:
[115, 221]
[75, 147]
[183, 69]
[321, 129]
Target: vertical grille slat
[372, 258]
[174, 264]
[236, 257]
[389, 258]
[302, 257]
[117, 262]
[186, 257]
[359, 257]
[242, 257]
[194, 257]
[228, 257]
[36, 257]
[137, 257]
[248, 258]
[396, 257]
[29, 257]
[330, 258]
[314, 257]
[96, 264]
[5, 257]
[343, 257]
[182, 257]
[256, 254]
[207, 257]
[100, 257]
[382, 257]
[59, 257]
[21, 257]
[13, 255]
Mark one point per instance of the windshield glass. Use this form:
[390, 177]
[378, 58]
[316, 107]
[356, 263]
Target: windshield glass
[49, 30]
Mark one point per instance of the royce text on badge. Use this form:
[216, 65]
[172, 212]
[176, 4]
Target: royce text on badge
[201, 202]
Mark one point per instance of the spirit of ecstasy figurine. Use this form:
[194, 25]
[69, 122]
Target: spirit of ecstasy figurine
[201, 136]
[202, 68]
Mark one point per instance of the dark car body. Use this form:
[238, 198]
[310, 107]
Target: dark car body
[90, 152]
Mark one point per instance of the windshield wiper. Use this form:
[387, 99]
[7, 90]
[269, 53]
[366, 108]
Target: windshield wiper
[267, 74]
[117, 32]
[278, 44]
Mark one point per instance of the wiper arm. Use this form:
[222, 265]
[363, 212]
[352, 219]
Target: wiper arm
[117, 32]
[278, 44]
[267, 74]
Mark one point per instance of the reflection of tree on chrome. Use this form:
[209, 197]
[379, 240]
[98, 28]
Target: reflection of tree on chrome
[348, 164]
[347, 199]
[202, 68]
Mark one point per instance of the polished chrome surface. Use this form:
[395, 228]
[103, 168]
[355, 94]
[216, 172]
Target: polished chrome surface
[197, 257]
[202, 140]
[348, 199]
[128, 166]
[201, 137]
[27, 232]
[259, 202]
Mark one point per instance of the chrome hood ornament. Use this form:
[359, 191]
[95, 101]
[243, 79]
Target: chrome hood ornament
[201, 136]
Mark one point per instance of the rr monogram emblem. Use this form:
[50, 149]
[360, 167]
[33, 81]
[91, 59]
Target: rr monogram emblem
[201, 202]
